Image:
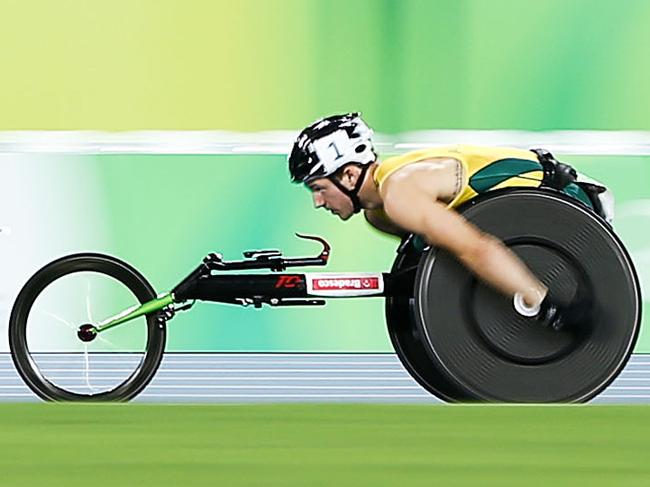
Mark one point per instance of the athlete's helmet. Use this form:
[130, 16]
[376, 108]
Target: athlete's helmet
[329, 144]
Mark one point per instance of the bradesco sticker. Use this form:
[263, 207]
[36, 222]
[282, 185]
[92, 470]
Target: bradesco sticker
[361, 284]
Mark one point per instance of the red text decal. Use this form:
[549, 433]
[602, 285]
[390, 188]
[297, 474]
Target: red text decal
[288, 281]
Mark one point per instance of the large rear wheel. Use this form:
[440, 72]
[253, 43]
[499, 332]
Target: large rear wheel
[486, 350]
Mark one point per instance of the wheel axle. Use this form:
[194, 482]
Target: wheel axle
[87, 332]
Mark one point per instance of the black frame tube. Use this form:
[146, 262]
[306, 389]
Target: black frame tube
[230, 288]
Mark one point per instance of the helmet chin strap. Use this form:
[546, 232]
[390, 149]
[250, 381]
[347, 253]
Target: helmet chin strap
[353, 193]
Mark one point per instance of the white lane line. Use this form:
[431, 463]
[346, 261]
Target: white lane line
[273, 362]
[632, 379]
[222, 379]
[225, 370]
[298, 396]
[234, 359]
[180, 355]
[288, 360]
[424, 395]
[633, 363]
[622, 396]
[270, 356]
[228, 371]
[406, 378]
[270, 361]
[261, 379]
[67, 382]
[209, 362]
[628, 388]
[264, 387]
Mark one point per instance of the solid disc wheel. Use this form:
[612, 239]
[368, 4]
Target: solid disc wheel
[488, 351]
[65, 294]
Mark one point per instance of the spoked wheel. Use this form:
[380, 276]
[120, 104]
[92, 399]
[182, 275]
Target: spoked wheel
[406, 338]
[486, 350]
[67, 293]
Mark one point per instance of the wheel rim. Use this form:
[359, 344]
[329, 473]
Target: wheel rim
[47, 313]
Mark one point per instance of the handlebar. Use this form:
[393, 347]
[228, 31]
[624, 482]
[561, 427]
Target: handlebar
[269, 259]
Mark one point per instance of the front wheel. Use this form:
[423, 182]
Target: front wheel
[76, 290]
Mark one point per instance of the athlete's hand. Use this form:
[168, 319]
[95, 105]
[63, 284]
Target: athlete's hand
[575, 315]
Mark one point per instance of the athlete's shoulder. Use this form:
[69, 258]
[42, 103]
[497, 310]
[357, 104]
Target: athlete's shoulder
[389, 166]
[422, 154]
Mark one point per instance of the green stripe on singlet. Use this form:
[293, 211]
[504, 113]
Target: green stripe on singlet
[499, 171]
[578, 193]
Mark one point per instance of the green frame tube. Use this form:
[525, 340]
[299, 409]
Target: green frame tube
[135, 312]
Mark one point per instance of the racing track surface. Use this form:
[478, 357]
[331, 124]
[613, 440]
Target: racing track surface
[293, 377]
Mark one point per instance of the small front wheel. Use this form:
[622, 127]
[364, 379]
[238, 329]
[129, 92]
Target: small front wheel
[70, 292]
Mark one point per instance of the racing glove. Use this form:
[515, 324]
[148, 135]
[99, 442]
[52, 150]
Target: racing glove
[576, 314]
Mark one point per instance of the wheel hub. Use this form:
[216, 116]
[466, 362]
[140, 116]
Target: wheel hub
[87, 332]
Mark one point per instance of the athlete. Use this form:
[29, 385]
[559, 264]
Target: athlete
[415, 193]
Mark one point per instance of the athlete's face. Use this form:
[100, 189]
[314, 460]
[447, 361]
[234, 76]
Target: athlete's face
[326, 195]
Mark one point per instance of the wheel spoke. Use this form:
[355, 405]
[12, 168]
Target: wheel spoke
[87, 369]
[88, 313]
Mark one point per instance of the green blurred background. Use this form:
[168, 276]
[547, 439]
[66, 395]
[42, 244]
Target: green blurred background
[258, 65]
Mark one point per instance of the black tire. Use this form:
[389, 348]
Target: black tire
[405, 337]
[101, 264]
[489, 352]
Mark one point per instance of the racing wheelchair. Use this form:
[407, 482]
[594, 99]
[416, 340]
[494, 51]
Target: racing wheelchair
[459, 339]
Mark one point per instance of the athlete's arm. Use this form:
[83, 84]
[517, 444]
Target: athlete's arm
[377, 218]
[417, 211]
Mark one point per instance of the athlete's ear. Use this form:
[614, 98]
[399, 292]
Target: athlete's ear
[349, 175]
